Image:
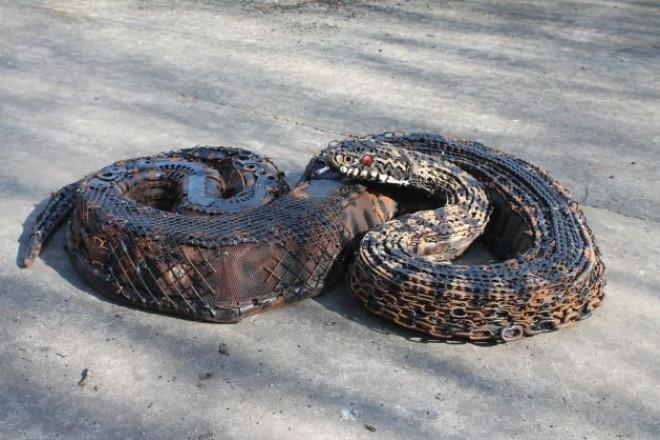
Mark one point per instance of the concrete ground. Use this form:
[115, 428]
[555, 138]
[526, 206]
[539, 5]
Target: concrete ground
[571, 86]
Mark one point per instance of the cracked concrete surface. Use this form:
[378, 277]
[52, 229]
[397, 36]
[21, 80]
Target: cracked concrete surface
[571, 86]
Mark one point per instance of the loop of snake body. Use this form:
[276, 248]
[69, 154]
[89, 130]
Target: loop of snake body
[213, 233]
[549, 271]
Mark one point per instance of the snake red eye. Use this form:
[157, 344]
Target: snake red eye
[367, 160]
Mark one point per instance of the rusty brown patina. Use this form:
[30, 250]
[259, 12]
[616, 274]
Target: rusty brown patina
[214, 233]
[211, 233]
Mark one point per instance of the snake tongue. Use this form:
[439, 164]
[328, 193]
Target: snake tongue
[326, 172]
[321, 171]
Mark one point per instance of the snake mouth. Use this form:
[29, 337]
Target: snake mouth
[370, 175]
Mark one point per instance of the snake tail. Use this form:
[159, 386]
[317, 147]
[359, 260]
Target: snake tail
[57, 210]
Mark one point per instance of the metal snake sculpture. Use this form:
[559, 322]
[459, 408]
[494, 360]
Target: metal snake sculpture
[214, 233]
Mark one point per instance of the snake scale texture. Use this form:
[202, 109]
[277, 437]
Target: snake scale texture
[215, 233]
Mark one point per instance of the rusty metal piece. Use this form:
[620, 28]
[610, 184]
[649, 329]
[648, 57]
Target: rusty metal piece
[214, 233]
[211, 233]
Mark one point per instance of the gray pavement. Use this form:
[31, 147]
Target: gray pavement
[571, 86]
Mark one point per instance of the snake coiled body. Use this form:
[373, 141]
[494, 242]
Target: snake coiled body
[211, 233]
[214, 233]
[549, 272]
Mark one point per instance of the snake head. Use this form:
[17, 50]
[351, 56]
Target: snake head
[368, 160]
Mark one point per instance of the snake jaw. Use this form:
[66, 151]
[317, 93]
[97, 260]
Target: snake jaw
[372, 175]
[399, 182]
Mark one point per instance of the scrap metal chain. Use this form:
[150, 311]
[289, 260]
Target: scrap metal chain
[549, 272]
